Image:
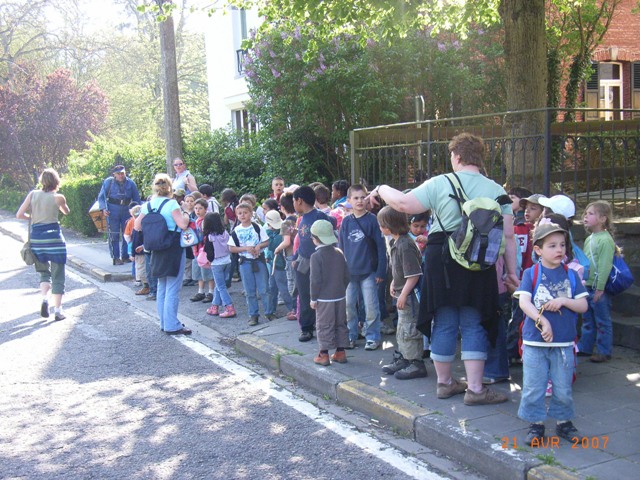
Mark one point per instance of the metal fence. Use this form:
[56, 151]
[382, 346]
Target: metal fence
[584, 160]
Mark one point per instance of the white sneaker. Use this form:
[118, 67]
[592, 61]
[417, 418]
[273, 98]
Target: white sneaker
[371, 345]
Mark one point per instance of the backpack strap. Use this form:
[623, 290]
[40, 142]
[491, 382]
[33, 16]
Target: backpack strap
[234, 235]
[535, 273]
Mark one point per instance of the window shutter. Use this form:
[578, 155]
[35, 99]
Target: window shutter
[591, 92]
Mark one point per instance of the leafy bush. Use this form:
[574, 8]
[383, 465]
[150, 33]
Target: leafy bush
[81, 193]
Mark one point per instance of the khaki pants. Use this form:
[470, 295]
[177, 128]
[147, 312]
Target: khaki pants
[409, 338]
[331, 325]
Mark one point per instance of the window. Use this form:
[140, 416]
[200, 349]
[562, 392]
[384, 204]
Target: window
[240, 34]
[604, 90]
[635, 88]
[241, 121]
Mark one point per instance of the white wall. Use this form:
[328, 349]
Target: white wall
[227, 90]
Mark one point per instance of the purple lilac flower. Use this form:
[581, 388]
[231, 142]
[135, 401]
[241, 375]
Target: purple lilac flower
[275, 72]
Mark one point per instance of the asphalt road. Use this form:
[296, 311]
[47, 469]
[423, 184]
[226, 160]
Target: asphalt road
[105, 394]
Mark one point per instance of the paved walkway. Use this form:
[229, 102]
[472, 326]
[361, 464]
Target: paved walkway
[607, 396]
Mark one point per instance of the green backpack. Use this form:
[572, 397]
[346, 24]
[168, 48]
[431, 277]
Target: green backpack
[479, 241]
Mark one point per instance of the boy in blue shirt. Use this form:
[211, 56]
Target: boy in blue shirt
[364, 248]
[551, 296]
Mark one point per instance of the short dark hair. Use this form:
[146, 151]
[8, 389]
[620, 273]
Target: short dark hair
[520, 192]
[356, 188]
[306, 194]
[419, 217]
[323, 194]
[202, 202]
[286, 202]
[394, 220]
[206, 189]
[341, 186]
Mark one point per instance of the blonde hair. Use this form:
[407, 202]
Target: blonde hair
[249, 198]
[49, 179]
[604, 209]
[162, 185]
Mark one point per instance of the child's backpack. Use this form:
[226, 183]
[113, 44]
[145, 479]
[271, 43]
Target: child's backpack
[157, 235]
[479, 241]
[581, 258]
[213, 205]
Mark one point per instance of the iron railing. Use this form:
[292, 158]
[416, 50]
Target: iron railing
[585, 160]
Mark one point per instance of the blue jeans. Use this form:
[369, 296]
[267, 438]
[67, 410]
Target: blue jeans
[220, 294]
[369, 290]
[254, 283]
[116, 222]
[278, 284]
[231, 269]
[447, 323]
[169, 298]
[540, 364]
[497, 364]
[153, 281]
[597, 327]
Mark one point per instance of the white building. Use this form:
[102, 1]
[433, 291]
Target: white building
[228, 92]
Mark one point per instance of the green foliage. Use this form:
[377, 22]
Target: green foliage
[11, 199]
[81, 193]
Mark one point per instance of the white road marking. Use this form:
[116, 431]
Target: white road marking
[388, 454]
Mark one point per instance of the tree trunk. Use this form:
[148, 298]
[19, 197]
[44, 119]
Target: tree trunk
[172, 131]
[525, 49]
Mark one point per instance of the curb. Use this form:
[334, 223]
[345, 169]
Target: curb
[428, 428]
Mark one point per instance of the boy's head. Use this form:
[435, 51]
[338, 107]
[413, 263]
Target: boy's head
[516, 194]
[356, 195]
[418, 223]
[206, 190]
[559, 204]
[188, 202]
[323, 194]
[277, 185]
[200, 207]
[249, 198]
[322, 232]
[228, 196]
[244, 212]
[286, 203]
[393, 220]
[550, 242]
[532, 207]
[304, 195]
[132, 205]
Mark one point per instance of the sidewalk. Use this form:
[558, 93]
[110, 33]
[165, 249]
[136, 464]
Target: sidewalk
[607, 396]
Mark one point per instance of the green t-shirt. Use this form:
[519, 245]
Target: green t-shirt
[434, 195]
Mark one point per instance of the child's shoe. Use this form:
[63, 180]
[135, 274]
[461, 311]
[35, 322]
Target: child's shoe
[567, 431]
[270, 316]
[535, 434]
[213, 310]
[208, 298]
[198, 297]
[253, 321]
[322, 359]
[416, 369]
[229, 312]
[339, 357]
[44, 309]
[599, 358]
[292, 315]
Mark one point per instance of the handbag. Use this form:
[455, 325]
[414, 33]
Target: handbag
[189, 236]
[26, 253]
[620, 277]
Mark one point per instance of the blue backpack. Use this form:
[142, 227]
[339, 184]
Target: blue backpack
[155, 230]
[582, 259]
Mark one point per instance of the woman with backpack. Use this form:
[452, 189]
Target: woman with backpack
[167, 264]
[454, 298]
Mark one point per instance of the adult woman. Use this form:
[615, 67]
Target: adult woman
[183, 179]
[167, 265]
[470, 303]
[41, 207]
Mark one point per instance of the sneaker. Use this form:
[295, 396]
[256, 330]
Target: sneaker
[322, 359]
[549, 391]
[198, 297]
[143, 291]
[137, 283]
[61, 316]
[151, 297]
[229, 312]
[351, 345]
[485, 397]
[567, 431]
[535, 433]
[253, 321]
[371, 345]
[386, 329]
[292, 315]
[270, 317]
[493, 380]
[416, 369]
[305, 336]
[449, 390]
[339, 357]
[213, 310]
[44, 309]
[208, 298]
[599, 358]
[397, 365]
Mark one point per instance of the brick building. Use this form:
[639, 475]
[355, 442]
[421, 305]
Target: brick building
[615, 82]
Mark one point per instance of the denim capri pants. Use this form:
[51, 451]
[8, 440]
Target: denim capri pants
[447, 324]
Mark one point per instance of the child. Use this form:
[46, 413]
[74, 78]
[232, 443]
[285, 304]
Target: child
[258, 214]
[600, 248]
[277, 188]
[187, 206]
[551, 296]
[418, 230]
[218, 238]
[249, 240]
[288, 232]
[364, 248]
[323, 196]
[198, 273]
[276, 265]
[137, 254]
[128, 232]
[516, 194]
[268, 205]
[329, 278]
[207, 193]
[229, 201]
[406, 270]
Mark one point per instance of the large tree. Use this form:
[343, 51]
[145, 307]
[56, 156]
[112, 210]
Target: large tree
[42, 120]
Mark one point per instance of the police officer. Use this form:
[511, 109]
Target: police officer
[115, 195]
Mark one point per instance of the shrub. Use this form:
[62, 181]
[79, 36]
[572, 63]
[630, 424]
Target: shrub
[81, 193]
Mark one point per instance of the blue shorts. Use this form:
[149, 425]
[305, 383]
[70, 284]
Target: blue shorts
[199, 273]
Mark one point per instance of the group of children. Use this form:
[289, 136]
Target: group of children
[329, 262]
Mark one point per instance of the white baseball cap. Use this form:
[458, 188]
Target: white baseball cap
[560, 204]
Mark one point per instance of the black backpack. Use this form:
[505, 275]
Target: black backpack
[155, 230]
